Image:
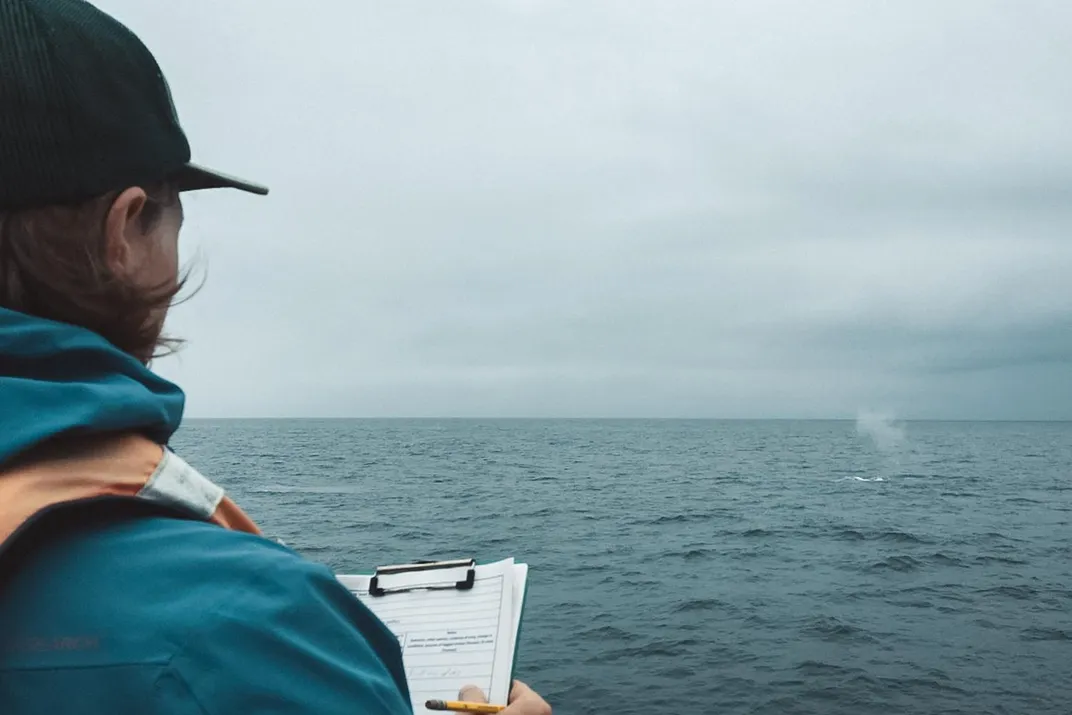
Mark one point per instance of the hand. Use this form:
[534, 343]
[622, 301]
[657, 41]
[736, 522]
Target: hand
[523, 700]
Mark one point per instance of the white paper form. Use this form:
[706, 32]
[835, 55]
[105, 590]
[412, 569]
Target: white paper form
[451, 637]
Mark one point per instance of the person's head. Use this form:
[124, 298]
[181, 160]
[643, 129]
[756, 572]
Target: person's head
[92, 165]
[109, 264]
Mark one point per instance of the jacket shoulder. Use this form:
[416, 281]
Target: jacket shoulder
[282, 633]
[244, 623]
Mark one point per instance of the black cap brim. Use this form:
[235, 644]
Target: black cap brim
[194, 178]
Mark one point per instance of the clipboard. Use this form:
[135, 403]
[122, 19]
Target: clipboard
[457, 622]
[432, 569]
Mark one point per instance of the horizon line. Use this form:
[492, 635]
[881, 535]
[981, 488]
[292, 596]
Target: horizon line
[619, 418]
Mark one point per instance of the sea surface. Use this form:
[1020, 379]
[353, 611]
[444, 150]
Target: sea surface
[705, 566]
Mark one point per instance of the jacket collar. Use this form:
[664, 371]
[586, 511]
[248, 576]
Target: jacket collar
[128, 465]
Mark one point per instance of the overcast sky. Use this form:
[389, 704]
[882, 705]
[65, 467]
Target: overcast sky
[625, 208]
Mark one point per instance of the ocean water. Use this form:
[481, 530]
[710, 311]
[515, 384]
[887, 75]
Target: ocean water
[724, 567]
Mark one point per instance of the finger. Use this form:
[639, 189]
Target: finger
[519, 690]
[472, 694]
[525, 701]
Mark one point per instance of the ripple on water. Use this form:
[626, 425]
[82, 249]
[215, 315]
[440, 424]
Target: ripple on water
[833, 630]
[1046, 634]
[678, 671]
[891, 535]
[661, 648]
[896, 563]
[818, 668]
[1022, 500]
[702, 604]
[1019, 592]
[988, 560]
[606, 633]
[942, 559]
[940, 591]
[667, 519]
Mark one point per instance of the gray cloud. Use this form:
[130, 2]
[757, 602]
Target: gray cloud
[643, 208]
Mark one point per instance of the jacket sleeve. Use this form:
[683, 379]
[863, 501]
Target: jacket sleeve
[288, 638]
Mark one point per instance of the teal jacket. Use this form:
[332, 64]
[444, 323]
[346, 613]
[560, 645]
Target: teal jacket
[116, 605]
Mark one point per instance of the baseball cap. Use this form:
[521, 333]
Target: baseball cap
[85, 109]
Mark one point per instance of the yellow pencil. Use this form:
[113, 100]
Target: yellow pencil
[459, 706]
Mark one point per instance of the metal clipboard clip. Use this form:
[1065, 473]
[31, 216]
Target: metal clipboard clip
[422, 576]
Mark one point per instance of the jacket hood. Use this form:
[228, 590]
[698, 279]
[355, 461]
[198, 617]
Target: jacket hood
[58, 379]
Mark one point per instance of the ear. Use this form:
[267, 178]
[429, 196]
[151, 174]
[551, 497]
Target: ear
[123, 232]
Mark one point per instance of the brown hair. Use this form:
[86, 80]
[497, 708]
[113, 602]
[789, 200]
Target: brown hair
[53, 265]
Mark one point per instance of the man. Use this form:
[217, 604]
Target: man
[128, 581]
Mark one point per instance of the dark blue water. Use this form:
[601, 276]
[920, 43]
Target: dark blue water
[733, 567]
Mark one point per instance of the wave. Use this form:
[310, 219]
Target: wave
[349, 489]
[896, 563]
[946, 560]
[607, 633]
[894, 535]
[1022, 592]
[946, 591]
[815, 668]
[545, 511]
[939, 682]
[655, 649]
[676, 673]
[1023, 500]
[680, 518]
[1046, 634]
[701, 604]
[313, 548]
[1005, 560]
[836, 631]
